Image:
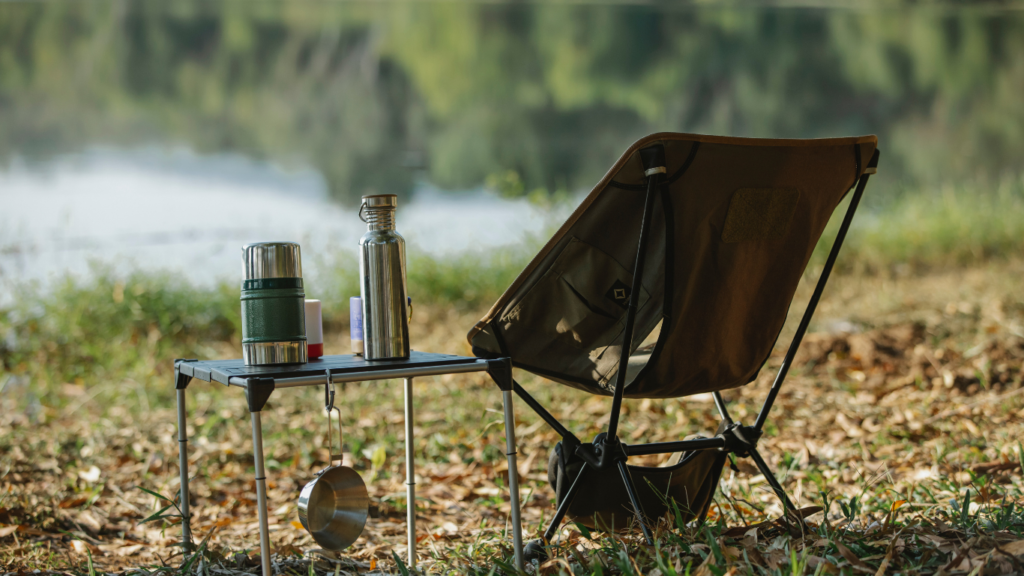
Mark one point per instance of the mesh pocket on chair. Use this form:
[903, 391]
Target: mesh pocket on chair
[578, 305]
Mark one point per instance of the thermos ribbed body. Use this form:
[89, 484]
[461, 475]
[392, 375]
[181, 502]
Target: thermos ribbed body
[273, 305]
[269, 315]
[383, 287]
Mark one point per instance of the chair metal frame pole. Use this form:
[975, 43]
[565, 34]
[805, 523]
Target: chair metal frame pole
[563, 507]
[805, 321]
[634, 303]
[638, 508]
[543, 413]
[773, 482]
[654, 175]
[720, 404]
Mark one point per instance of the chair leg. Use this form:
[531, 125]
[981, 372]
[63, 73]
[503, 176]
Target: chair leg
[775, 485]
[627, 479]
[722, 410]
[563, 507]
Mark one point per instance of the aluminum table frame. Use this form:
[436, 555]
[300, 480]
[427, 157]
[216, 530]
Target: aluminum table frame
[259, 382]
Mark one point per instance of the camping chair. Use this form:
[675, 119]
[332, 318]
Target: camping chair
[696, 244]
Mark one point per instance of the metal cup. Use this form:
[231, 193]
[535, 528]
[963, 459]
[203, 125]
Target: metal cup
[334, 506]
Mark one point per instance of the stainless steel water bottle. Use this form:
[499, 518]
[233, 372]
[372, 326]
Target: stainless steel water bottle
[273, 304]
[382, 281]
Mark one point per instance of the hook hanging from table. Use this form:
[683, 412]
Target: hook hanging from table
[328, 408]
[329, 392]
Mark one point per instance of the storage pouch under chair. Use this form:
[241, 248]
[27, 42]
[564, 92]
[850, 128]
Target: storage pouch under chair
[602, 502]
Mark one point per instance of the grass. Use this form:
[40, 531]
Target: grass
[111, 327]
[85, 381]
[955, 225]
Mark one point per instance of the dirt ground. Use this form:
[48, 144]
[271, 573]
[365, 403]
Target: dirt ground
[905, 387]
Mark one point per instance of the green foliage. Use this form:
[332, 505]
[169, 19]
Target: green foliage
[548, 92]
[402, 568]
[122, 333]
[470, 280]
[162, 514]
[107, 328]
[922, 229]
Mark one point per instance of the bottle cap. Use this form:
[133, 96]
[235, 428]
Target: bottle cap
[381, 201]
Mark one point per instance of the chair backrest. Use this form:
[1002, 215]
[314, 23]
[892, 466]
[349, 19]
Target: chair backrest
[733, 228]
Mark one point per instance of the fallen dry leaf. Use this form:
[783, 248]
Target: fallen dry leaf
[851, 557]
[74, 502]
[902, 398]
[885, 564]
[1014, 548]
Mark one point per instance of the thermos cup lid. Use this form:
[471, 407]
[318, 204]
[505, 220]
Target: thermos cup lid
[381, 201]
[271, 260]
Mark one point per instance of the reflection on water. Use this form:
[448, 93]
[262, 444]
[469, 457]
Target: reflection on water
[413, 98]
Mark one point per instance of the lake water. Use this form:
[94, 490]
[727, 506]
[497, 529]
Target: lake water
[176, 211]
[164, 136]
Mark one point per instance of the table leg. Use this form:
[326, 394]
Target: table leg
[261, 491]
[186, 528]
[513, 478]
[410, 474]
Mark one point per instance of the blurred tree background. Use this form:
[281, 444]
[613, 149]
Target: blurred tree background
[523, 97]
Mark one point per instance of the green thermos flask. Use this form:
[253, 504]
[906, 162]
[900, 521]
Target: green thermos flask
[273, 304]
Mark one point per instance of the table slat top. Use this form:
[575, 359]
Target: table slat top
[223, 370]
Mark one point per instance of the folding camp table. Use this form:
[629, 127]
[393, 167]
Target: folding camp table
[259, 382]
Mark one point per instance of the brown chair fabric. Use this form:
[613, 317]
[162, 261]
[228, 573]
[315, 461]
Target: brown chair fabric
[731, 234]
